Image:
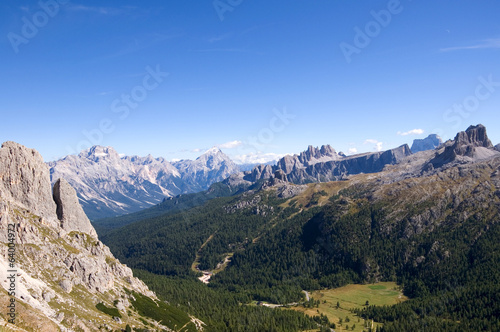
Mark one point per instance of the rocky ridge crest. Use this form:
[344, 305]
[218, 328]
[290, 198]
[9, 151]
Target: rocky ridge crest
[322, 165]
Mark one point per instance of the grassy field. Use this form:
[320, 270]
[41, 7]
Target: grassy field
[350, 297]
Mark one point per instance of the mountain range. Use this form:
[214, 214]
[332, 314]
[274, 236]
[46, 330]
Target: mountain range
[428, 221]
[108, 184]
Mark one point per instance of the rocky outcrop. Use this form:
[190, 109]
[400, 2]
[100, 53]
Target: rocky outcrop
[314, 155]
[429, 143]
[62, 269]
[470, 145]
[69, 211]
[23, 174]
[497, 147]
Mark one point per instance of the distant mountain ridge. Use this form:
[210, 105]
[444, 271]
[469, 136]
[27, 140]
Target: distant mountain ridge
[110, 185]
[322, 165]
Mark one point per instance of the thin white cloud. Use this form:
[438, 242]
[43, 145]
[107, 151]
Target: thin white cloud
[102, 10]
[256, 158]
[104, 93]
[482, 44]
[378, 145]
[352, 151]
[230, 145]
[411, 132]
[196, 150]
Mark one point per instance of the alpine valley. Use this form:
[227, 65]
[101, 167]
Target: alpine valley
[397, 240]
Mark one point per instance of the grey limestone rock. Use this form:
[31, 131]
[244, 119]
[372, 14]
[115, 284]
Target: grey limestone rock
[472, 143]
[23, 177]
[69, 211]
[66, 285]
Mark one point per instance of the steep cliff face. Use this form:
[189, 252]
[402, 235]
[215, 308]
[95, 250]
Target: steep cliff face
[69, 211]
[59, 268]
[23, 180]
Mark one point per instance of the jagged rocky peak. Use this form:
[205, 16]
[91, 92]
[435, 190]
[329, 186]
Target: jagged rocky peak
[475, 136]
[98, 152]
[212, 157]
[314, 153]
[429, 143]
[262, 172]
[472, 144]
[69, 211]
[288, 163]
[327, 150]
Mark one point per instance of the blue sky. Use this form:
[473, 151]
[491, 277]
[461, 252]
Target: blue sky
[257, 78]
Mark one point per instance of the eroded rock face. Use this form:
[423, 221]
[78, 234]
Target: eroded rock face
[474, 135]
[473, 144]
[23, 179]
[69, 211]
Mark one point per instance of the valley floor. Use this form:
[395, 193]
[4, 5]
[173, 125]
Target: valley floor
[352, 297]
